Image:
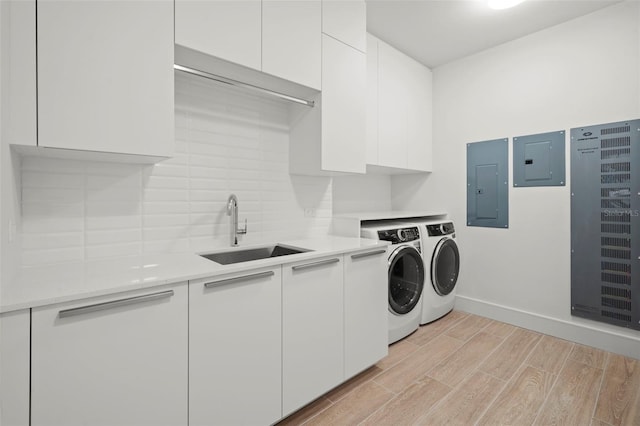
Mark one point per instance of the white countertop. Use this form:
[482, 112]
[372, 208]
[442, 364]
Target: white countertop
[392, 214]
[50, 284]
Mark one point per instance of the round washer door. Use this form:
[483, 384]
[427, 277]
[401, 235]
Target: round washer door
[406, 279]
[445, 266]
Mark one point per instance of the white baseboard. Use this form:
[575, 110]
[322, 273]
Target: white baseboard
[602, 336]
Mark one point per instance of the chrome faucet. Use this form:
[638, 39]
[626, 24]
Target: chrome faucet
[232, 210]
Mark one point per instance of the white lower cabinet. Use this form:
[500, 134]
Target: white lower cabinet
[365, 310]
[312, 330]
[116, 360]
[235, 349]
[14, 368]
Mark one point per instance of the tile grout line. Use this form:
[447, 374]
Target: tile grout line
[553, 386]
[602, 377]
[514, 376]
[331, 404]
[419, 347]
[459, 384]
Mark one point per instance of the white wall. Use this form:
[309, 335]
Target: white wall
[365, 193]
[586, 71]
[226, 141]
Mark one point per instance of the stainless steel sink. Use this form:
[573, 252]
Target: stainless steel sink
[246, 255]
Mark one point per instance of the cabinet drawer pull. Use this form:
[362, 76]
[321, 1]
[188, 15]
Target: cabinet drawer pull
[314, 264]
[239, 279]
[367, 254]
[114, 304]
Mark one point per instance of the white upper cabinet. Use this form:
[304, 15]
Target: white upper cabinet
[227, 29]
[344, 115]
[392, 107]
[372, 100]
[399, 126]
[18, 35]
[331, 137]
[278, 37]
[105, 76]
[346, 20]
[291, 40]
[419, 117]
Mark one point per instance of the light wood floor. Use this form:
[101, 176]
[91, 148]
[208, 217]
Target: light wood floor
[468, 370]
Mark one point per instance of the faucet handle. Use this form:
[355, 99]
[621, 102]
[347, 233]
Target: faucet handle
[242, 230]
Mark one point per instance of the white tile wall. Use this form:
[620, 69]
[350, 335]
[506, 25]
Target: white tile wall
[226, 142]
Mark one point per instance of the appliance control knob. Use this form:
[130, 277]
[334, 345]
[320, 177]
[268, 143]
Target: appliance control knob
[402, 236]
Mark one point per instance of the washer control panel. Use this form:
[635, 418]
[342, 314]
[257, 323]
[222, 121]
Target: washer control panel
[400, 235]
[439, 229]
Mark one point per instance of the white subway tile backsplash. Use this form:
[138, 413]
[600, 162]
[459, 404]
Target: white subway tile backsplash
[112, 236]
[55, 255]
[226, 142]
[112, 250]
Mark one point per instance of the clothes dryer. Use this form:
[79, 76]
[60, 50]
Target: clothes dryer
[442, 260]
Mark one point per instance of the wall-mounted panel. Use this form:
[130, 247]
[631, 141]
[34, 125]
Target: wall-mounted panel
[605, 223]
[487, 184]
[539, 160]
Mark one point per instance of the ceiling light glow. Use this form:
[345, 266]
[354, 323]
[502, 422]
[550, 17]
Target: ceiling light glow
[503, 4]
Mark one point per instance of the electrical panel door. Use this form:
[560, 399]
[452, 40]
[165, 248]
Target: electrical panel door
[487, 189]
[605, 223]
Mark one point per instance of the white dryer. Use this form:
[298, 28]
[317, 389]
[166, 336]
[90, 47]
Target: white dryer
[406, 275]
[442, 258]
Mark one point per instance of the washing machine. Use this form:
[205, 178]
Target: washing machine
[442, 258]
[406, 275]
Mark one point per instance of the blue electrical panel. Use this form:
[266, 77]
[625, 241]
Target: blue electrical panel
[487, 183]
[539, 160]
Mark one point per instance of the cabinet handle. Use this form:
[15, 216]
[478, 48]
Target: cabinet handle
[314, 264]
[114, 304]
[367, 254]
[239, 279]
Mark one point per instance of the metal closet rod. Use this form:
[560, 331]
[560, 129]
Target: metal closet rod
[240, 84]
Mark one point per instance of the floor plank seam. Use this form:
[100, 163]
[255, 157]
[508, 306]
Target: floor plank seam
[533, 350]
[389, 390]
[602, 378]
[555, 382]
[331, 404]
[493, 401]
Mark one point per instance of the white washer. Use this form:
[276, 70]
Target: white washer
[442, 260]
[406, 275]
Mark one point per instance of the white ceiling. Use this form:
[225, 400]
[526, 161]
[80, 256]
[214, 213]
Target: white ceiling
[439, 31]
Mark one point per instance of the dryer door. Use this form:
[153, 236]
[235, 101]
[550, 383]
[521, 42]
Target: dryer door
[406, 279]
[445, 266]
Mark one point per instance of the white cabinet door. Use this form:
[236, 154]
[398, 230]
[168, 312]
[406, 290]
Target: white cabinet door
[227, 29]
[419, 117]
[366, 310]
[312, 330]
[291, 40]
[117, 360]
[14, 368]
[392, 107]
[344, 116]
[346, 20]
[105, 76]
[372, 100]
[404, 112]
[18, 35]
[235, 349]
